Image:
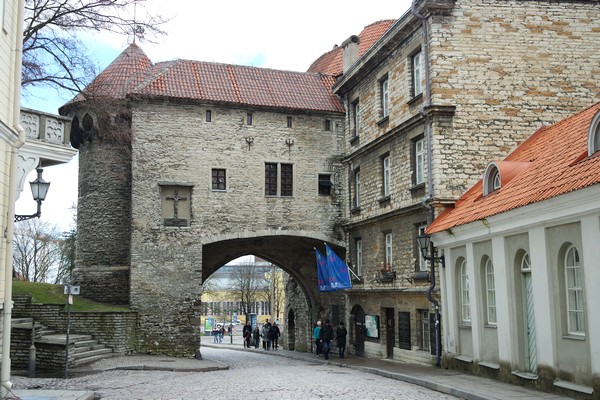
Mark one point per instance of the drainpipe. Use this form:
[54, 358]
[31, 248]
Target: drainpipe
[5, 383]
[429, 195]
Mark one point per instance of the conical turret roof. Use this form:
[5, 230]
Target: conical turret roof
[128, 70]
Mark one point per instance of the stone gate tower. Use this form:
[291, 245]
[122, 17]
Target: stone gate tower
[102, 133]
[187, 165]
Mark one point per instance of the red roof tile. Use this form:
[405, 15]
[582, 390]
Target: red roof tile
[128, 70]
[132, 73]
[558, 164]
[251, 86]
[331, 62]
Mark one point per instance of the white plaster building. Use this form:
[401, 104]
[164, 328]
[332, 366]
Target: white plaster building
[522, 260]
[27, 137]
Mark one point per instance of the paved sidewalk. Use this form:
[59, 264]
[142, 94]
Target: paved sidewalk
[446, 381]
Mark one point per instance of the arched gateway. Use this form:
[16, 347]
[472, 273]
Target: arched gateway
[185, 166]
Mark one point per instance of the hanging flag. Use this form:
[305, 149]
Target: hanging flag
[338, 271]
[322, 274]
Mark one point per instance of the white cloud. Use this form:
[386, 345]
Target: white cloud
[266, 33]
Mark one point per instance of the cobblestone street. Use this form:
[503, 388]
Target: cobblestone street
[252, 375]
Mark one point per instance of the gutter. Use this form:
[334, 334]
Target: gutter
[5, 383]
[429, 195]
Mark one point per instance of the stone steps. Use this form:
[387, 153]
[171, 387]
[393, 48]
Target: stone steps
[86, 349]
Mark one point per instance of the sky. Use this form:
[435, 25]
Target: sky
[262, 33]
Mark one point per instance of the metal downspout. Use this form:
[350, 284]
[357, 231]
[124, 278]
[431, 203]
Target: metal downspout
[5, 383]
[429, 195]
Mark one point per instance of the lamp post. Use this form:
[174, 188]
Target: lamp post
[39, 190]
[429, 252]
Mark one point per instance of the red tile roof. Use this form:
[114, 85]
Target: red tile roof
[558, 164]
[250, 86]
[132, 73]
[128, 70]
[331, 62]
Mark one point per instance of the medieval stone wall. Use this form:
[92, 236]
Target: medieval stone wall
[104, 221]
[173, 144]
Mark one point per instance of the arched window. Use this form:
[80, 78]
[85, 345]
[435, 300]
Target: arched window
[594, 135]
[525, 263]
[491, 179]
[574, 292]
[490, 291]
[465, 302]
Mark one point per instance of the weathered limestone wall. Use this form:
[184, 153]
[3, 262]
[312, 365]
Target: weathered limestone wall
[104, 221]
[509, 67]
[173, 144]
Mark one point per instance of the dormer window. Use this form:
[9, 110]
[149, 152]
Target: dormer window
[594, 135]
[491, 179]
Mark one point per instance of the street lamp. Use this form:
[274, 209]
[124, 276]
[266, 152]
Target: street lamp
[39, 190]
[429, 252]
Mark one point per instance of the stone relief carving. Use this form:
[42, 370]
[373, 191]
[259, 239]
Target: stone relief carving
[55, 131]
[31, 124]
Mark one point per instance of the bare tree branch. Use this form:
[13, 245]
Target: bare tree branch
[53, 54]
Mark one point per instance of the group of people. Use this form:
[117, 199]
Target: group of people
[269, 333]
[323, 336]
[218, 332]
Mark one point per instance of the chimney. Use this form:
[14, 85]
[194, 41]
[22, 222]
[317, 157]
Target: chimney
[350, 51]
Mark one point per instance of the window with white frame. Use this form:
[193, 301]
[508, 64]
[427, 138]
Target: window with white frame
[356, 117]
[491, 179]
[389, 252]
[359, 256]
[385, 97]
[385, 163]
[490, 292]
[419, 161]
[465, 302]
[357, 188]
[425, 330]
[574, 291]
[594, 135]
[417, 74]
[421, 261]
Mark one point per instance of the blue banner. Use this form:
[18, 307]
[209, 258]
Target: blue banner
[322, 273]
[337, 270]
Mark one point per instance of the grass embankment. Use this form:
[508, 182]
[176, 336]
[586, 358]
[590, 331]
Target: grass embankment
[46, 293]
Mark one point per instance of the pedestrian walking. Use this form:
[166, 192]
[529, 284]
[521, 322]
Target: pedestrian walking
[275, 333]
[247, 335]
[317, 337]
[215, 334]
[326, 334]
[340, 334]
[256, 336]
[266, 335]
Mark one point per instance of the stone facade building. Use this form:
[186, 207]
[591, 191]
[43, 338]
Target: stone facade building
[450, 85]
[378, 137]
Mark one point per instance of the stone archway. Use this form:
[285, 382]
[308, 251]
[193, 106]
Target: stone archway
[165, 288]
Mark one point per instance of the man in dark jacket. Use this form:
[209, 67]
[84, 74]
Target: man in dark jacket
[247, 334]
[326, 336]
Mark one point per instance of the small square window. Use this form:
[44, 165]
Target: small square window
[208, 116]
[249, 119]
[328, 125]
[325, 184]
[219, 181]
[289, 122]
